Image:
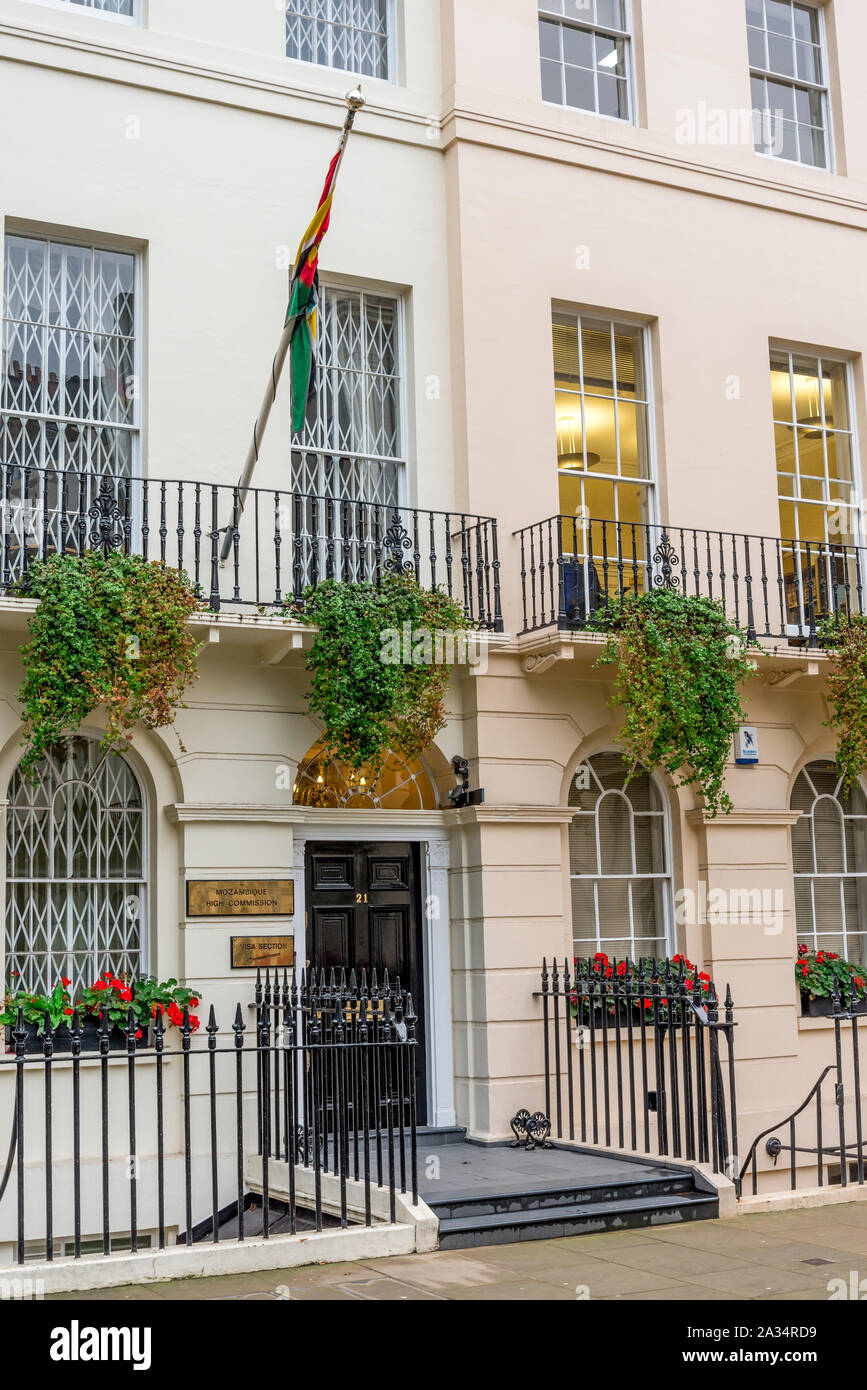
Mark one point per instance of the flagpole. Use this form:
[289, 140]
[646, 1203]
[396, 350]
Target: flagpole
[354, 101]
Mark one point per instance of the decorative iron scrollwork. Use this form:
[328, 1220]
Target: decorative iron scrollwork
[665, 555]
[396, 540]
[305, 1139]
[530, 1131]
[109, 525]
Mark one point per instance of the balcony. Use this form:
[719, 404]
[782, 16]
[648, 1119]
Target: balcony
[255, 552]
[573, 568]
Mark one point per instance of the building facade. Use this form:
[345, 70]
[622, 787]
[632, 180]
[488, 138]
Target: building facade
[593, 276]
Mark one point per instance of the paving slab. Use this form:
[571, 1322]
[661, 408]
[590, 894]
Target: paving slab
[757, 1280]
[762, 1257]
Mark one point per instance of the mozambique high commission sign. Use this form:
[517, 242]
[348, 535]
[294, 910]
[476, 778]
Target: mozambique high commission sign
[270, 897]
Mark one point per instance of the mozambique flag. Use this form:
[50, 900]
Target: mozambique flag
[304, 301]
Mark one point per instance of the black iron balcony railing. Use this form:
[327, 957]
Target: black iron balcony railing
[280, 541]
[573, 568]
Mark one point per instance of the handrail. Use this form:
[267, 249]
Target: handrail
[838, 1148]
[787, 1121]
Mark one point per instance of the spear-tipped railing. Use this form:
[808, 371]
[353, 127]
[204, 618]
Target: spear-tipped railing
[633, 1059]
[119, 1142]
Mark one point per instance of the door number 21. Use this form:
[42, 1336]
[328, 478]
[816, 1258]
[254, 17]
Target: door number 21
[361, 897]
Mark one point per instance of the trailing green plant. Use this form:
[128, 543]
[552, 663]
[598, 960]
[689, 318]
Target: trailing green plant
[109, 630]
[846, 636]
[680, 663]
[379, 666]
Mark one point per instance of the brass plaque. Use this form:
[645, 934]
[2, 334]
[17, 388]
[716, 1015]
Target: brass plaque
[223, 897]
[252, 951]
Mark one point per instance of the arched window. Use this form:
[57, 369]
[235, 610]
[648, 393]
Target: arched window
[403, 785]
[76, 868]
[618, 861]
[829, 859]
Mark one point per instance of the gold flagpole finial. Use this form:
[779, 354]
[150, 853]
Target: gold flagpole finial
[355, 98]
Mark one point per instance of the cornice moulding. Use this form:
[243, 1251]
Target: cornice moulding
[511, 815]
[190, 812]
[129, 58]
[736, 819]
[474, 127]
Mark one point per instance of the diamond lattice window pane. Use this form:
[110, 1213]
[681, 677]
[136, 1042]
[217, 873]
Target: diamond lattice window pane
[75, 867]
[351, 444]
[70, 285]
[122, 7]
[24, 280]
[347, 34]
[69, 357]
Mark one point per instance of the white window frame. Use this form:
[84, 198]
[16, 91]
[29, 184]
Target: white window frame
[144, 931]
[69, 7]
[666, 879]
[803, 84]
[628, 37]
[856, 506]
[615, 321]
[135, 428]
[391, 49]
[813, 936]
[400, 461]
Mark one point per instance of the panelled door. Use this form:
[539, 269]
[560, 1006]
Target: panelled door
[363, 912]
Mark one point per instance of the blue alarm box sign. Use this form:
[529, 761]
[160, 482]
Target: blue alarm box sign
[746, 745]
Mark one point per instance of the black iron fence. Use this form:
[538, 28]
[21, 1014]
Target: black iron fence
[153, 1145]
[279, 541]
[572, 568]
[354, 1106]
[635, 1061]
[824, 1138]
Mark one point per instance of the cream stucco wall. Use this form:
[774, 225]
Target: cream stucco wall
[482, 207]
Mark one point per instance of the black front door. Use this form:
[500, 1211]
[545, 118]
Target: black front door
[363, 912]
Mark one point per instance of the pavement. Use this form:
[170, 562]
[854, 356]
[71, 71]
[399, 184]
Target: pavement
[789, 1256]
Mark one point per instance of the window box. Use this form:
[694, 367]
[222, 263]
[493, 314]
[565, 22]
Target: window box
[63, 1039]
[822, 1006]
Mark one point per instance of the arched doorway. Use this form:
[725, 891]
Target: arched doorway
[363, 896]
[404, 784]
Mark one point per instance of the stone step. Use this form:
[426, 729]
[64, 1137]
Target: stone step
[432, 1136]
[472, 1204]
[548, 1223]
